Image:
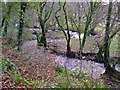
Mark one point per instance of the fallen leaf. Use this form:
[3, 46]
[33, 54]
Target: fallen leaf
[27, 74]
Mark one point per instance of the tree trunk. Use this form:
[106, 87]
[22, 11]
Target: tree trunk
[42, 23]
[111, 70]
[89, 19]
[86, 31]
[43, 38]
[101, 47]
[5, 29]
[79, 32]
[68, 33]
[68, 45]
[80, 48]
[5, 20]
[21, 23]
[119, 25]
[68, 49]
[107, 41]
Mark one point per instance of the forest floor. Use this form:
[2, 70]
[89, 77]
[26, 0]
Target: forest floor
[36, 63]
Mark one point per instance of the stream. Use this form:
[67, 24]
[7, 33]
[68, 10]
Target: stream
[92, 68]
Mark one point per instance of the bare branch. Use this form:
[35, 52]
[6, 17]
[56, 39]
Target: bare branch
[59, 22]
[49, 13]
[114, 33]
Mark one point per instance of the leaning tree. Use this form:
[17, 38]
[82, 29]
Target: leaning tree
[108, 69]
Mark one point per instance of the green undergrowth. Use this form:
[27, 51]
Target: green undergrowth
[62, 78]
[11, 75]
[76, 79]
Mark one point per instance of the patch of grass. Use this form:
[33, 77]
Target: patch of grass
[115, 44]
[75, 44]
[90, 45]
[114, 48]
[55, 35]
[29, 37]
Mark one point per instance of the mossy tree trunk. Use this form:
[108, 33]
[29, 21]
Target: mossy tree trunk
[21, 23]
[92, 8]
[67, 35]
[6, 19]
[107, 40]
[43, 21]
[111, 71]
[79, 31]
[100, 54]
[43, 38]
[42, 24]
[119, 25]
[88, 21]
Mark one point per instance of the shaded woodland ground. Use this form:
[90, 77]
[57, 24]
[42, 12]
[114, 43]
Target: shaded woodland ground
[37, 64]
[30, 51]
